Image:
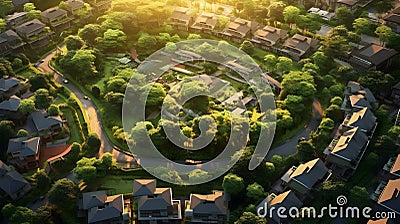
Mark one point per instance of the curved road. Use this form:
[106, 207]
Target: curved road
[123, 159]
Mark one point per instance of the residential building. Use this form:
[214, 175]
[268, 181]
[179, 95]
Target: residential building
[99, 5]
[206, 22]
[358, 97]
[155, 205]
[364, 119]
[270, 205]
[239, 29]
[392, 20]
[351, 5]
[10, 43]
[24, 152]
[75, 6]
[100, 208]
[306, 177]
[298, 46]
[46, 126]
[392, 167]
[389, 198]
[268, 36]
[325, 15]
[9, 109]
[180, 18]
[56, 18]
[12, 183]
[11, 86]
[372, 57]
[34, 33]
[16, 19]
[209, 208]
[345, 152]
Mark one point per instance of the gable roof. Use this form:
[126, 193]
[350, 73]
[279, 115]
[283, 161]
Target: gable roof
[396, 166]
[390, 196]
[29, 26]
[15, 15]
[181, 13]
[270, 34]
[9, 36]
[113, 207]
[160, 200]
[42, 121]
[363, 118]
[359, 93]
[393, 16]
[3, 168]
[93, 199]
[74, 4]
[54, 12]
[12, 182]
[206, 18]
[241, 26]
[301, 43]
[350, 144]
[143, 187]
[209, 204]
[25, 146]
[7, 83]
[308, 174]
[374, 54]
[11, 104]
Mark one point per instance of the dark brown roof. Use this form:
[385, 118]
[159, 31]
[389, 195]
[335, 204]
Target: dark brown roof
[375, 54]
[301, 43]
[30, 26]
[54, 12]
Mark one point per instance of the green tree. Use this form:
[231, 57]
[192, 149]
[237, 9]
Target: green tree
[383, 32]
[364, 26]
[75, 152]
[284, 64]
[156, 95]
[42, 99]
[275, 11]
[16, 63]
[383, 6]
[112, 40]
[294, 104]
[38, 81]
[92, 143]
[7, 131]
[359, 196]
[107, 161]
[22, 133]
[83, 62]
[334, 112]
[5, 7]
[147, 40]
[3, 25]
[290, 14]
[53, 110]
[42, 179]
[250, 218]
[305, 151]
[247, 47]
[193, 36]
[86, 169]
[344, 16]
[255, 191]
[198, 175]
[74, 42]
[27, 106]
[89, 33]
[96, 91]
[63, 194]
[233, 184]
[270, 61]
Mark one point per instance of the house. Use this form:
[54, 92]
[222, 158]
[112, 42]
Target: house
[325, 15]
[390, 196]
[56, 18]
[34, 33]
[298, 46]
[24, 152]
[100, 208]
[16, 19]
[99, 5]
[46, 126]
[188, 56]
[372, 57]
[392, 20]
[284, 201]
[11, 86]
[351, 5]
[12, 183]
[19, 3]
[180, 18]
[206, 22]
[74, 7]
[209, 208]
[305, 177]
[268, 36]
[10, 43]
[155, 205]
[358, 97]
[239, 29]
[10, 105]
[392, 167]
[344, 154]
[364, 119]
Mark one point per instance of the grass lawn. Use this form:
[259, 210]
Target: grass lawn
[107, 73]
[73, 128]
[28, 72]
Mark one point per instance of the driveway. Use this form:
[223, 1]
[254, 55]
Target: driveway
[123, 159]
[289, 147]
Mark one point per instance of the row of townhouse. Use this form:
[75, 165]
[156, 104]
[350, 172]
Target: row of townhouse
[342, 157]
[238, 30]
[23, 32]
[153, 205]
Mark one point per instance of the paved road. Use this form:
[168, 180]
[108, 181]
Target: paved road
[94, 117]
[289, 147]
